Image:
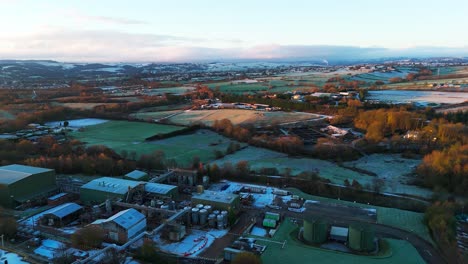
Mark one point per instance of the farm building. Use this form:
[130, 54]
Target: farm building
[218, 200]
[136, 175]
[62, 215]
[123, 226]
[59, 198]
[104, 188]
[19, 184]
[158, 190]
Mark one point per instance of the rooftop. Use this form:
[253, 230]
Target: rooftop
[126, 218]
[159, 188]
[111, 185]
[339, 231]
[220, 197]
[64, 209]
[136, 174]
[12, 173]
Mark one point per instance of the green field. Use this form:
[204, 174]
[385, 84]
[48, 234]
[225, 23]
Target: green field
[406, 220]
[6, 115]
[130, 136]
[296, 252]
[154, 115]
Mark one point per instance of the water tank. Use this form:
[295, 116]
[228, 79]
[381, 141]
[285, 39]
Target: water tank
[200, 189]
[315, 231]
[159, 203]
[361, 237]
[208, 208]
[199, 206]
[216, 212]
[108, 206]
[203, 216]
[190, 180]
[165, 206]
[195, 212]
[172, 205]
[153, 203]
[225, 218]
[212, 220]
[220, 221]
[96, 210]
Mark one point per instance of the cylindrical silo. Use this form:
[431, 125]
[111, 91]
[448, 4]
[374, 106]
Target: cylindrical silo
[208, 208]
[212, 220]
[315, 231]
[165, 206]
[225, 218]
[200, 189]
[220, 221]
[206, 181]
[361, 237]
[195, 213]
[199, 206]
[216, 212]
[203, 216]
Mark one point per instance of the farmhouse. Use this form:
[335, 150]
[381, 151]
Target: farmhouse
[62, 215]
[123, 226]
[218, 200]
[19, 184]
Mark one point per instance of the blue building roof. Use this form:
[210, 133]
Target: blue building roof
[64, 210]
[12, 173]
[126, 218]
[111, 185]
[136, 174]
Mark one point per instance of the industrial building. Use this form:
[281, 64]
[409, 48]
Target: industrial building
[101, 189]
[19, 184]
[136, 175]
[217, 200]
[123, 226]
[62, 215]
[159, 190]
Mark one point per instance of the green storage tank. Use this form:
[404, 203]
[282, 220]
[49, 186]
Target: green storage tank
[361, 237]
[269, 223]
[274, 216]
[315, 231]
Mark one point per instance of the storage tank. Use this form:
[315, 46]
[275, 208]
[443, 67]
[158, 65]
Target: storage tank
[361, 237]
[203, 216]
[153, 203]
[225, 218]
[315, 231]
[190, 180]
[206, 181]
[200, 189]
[172, 205]
[165, 206]
[216, 212]
[199, 206]
[208, 208]
[195, 213]
[212, 220]
[108, 206]
[220, 221]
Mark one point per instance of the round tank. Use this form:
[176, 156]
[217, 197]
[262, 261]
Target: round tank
[165, 206]
[203, 216]
[216, 212]
[220, 221]
[190, 180]
[195, 213]
[206, 180]
[225, 218]
[212, 220]
[172, 205]
[153, 203]
[315, 231]
[200, 189]
[208, 208]
[199, 206]
[361, 237]
[159, 203]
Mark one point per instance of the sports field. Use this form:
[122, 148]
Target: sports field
[295, 252]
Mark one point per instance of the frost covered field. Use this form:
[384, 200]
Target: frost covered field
[421, 97]
[12, 258]
[77, 123]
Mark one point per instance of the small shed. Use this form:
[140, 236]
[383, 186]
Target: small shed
[62, 215]
[137, 175]
[339, 233]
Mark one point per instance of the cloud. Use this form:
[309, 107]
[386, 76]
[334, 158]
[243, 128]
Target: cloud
[115, 46]
[113, 20]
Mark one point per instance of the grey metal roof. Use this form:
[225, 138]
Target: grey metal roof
[136, 174]
[110, 185]
[219, 197]
[339, 231]
[126, 218]
[12, 173]
[64, 210]
[159, 188]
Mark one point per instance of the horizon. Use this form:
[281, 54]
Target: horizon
[186, 31]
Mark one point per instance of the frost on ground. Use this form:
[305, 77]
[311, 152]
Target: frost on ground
[77, 123]
[49, 248]
[193, 244]
[12, 258]
[258, 231]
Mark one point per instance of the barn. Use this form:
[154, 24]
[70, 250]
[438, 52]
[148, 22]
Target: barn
[123, 226]
[62, 215]
[20, 184]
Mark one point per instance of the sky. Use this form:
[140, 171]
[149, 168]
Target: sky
[204, 30]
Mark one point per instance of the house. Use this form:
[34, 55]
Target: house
[123, 226]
